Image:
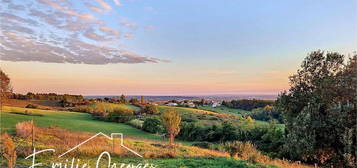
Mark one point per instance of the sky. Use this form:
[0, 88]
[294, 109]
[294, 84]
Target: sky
[168, 47]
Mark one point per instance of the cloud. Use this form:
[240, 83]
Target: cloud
[16, 47]
[91, 34]
[7, 17]
[94, 8]
[16, 7]
[149, 27]
[56, 31]
[117, 2]
[129, 24]
[129, 35]
[109, 30]
[104, 4]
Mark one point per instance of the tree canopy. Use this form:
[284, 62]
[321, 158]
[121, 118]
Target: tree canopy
[320, 110]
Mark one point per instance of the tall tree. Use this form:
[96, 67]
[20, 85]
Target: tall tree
[5, 86]
[122, 99]
[142, 100]
[171, 120]
[316, 111]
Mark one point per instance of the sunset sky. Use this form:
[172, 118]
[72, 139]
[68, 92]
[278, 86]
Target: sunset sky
[168, 47]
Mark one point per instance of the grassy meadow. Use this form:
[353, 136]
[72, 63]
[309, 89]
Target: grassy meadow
[225, 110]
[68, 120]
[63, 129]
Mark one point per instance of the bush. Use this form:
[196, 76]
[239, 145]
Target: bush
[152, 125]
[31, 106]
[151, 109]
[244, 150]
[24, 129]
[8, 150]
[136, 123]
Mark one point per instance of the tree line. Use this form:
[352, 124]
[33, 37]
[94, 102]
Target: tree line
[247, 104]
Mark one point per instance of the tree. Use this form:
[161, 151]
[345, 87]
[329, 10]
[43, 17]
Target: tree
[151, 109]
[8, 150]
[171, 120]
[122, 99]
[134, 101]
[142, 100]
[5, 86]
[152, 125]
[319, 111]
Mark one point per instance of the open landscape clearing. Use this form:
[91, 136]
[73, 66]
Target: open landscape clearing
[68, 120]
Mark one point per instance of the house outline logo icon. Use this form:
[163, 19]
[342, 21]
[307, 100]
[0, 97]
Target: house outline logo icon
[111, 137]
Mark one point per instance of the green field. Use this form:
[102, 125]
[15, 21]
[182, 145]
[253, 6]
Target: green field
[68, 120]
[225, 110]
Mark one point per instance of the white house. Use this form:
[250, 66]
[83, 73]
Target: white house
[171, 104]
[216, 104]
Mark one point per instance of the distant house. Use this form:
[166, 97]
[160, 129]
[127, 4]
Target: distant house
[171, 104]
[190, 104]
[216, 104]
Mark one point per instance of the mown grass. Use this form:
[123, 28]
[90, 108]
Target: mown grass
[225, 110]
[186, 110]
[67, 120]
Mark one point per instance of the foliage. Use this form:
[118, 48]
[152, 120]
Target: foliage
[136, 123]
[31, 106]
[244, 150]
[151, 109]
[320, 110]
[5, 86]
[122, 99]
[267, 113]
[171, 120]
[152, 125]
[25, 129]
[214, 133]
[8, 150]
[247, 104]
[134, 101]
[112, 112]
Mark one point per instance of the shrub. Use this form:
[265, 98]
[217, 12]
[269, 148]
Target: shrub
[31, 106]
[24, 129]
[8, 150]
[151, 109]
[189, 118]
[136, 123]
[152, 125]
[244, 150]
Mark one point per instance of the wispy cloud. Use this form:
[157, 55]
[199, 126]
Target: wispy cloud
[149, 27]
[56, 31]
[104, 4]
[94, 8]
[117, 2]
